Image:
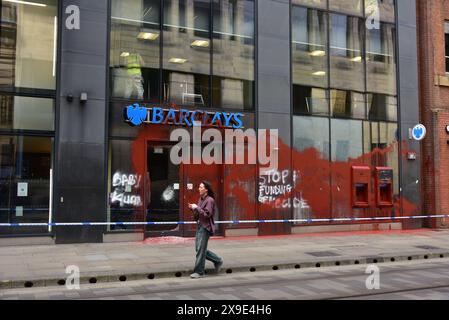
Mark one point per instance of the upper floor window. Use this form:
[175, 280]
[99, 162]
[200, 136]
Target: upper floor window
[446, 40]
[344, 64]
[28, 42]
[192, 53]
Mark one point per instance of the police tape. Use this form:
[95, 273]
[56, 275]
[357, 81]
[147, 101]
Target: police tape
[82, 224]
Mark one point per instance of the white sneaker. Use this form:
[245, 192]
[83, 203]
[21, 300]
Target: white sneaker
[196, 275]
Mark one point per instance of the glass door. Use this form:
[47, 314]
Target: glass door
[164, 188]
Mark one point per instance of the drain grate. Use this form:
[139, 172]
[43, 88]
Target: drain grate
[427, 248]
[323, 254]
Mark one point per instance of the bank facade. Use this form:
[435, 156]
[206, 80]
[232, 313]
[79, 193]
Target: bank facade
[337, 78]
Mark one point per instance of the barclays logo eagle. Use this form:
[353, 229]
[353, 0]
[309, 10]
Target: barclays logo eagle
[135, 114]
[418, 132]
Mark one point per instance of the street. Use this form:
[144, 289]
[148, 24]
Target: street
[420, 280]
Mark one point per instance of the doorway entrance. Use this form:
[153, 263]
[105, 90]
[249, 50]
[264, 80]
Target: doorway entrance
[172, 187]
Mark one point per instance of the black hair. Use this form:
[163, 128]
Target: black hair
[210, 191]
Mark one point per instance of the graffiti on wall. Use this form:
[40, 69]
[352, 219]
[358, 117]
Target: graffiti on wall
[125, 188]
[278, 190]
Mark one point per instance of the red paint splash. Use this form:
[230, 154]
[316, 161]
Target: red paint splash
[325, 187]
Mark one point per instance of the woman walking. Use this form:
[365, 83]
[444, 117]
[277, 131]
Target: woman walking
[204, 214]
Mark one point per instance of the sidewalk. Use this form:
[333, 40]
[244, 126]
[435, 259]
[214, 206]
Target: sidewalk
[170, 257]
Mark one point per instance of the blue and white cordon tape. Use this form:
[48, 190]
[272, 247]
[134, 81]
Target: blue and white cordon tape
[75, 224]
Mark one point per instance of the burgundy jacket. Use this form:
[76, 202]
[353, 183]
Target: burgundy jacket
[206, 211]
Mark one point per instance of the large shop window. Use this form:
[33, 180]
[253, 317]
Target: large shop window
[25, 164]
[28, 42]
[126, 187]
[207, 59]
[311, 133]
[28, 52]
[346, 140]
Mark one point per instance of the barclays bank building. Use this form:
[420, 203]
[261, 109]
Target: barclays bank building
[91, 91]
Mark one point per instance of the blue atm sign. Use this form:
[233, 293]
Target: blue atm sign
[137, 114]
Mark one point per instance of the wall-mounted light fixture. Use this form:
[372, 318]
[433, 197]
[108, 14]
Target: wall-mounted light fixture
[69, 98]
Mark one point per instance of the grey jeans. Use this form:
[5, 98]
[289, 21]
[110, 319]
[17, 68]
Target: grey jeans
[201, 240]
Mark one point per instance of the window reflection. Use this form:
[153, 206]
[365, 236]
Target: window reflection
[311, 3]
[354, 7]
[124, 199]
[309, 50]
[187, 76]
[346, 46]
[134, 53]
[382, 107]
[308, 100]
[233, 54]
[346, 140]
[384, 10]
[381, 60]
[25, 164]
[347, 104]
[24, 113]
[186, 47]
[311, 132]
[28, 36]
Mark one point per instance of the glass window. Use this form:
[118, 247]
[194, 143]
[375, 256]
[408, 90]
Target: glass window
[311, 178]
[346, 47]
[347, 104]
[446, 39]
[309, 47]
[311, 132]
[374, 137]
[382, 107]
[134, 52]
[24, 113]
[381, 60]
[307, 100]
[28, 35]
[384, 10]
[346, 139]
[311, 3]
[366, 137]
[354, 7]
[126, 187]
[233, 54]
[186, 48]
[25, 164]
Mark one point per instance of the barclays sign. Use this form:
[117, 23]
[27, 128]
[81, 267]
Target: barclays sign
[137, 114]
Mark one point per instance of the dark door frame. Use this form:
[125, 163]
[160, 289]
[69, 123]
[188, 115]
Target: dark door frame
[177, 232]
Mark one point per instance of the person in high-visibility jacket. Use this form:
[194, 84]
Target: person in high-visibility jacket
[134, 63]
